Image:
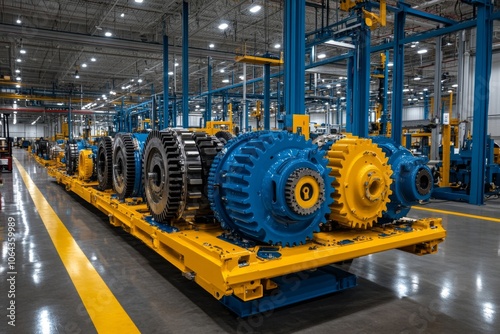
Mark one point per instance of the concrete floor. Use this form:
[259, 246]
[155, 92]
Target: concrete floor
[453, 291]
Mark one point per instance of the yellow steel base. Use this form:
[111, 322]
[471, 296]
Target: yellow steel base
[224, 269]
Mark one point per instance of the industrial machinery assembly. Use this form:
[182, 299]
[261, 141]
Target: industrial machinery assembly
[238, 218]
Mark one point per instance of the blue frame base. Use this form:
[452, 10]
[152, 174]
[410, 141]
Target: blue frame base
[449, 194]
[294, 288]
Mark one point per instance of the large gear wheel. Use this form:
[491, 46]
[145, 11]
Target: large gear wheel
[123, 165]
[224, 136]
[208, 146]
[85, 164]
[163, 176]
[362, 182]
[71, 157]
[105, 163]
[252, 182]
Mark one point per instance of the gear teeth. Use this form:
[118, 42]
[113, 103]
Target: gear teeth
[71, 154]
[123, 165]
[362, 182]
[105, 163]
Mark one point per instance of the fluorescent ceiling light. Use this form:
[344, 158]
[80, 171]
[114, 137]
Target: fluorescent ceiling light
[18, 71]
[77, 76]
[455, 86]
[422, 51]
[18, 60]
[225, 80]
[338, 85]
[328, 86]
[108, 34]
[170, 73]
[139, 81]
[176, 64]
[19, 21]
[390, 64]
[84, 65]
[22, 51]
[277, 45]
[139, 1]
[222, 70]
[450, 91]
[255, 8]
[93, 59]
[341, 44]
[417, 78]
[406, 90]
[321, 56]
[18, 78]
[122, 14]
[18, 86]
[242, 77]
[223, 26]
[211, 45]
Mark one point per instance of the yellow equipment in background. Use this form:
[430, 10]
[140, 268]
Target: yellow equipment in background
[85, 165]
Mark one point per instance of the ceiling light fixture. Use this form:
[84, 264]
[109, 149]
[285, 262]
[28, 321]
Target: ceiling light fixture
[211, 46]
[139, 1]
[18, 86]
[225, 80]
[277, 45]
[170, 73]
[455, 86]
[22, 51]
[93, 59]
[338, 85]
[422, 51]
[18, 60]
[255, 8]
[321, 56]
[19, 20]
[122, 15]
[108, 34]
[223, 26]
[222, 70]
[18, 78]
[341, 44]
[176, 64]
[417, 78]
[84, 65]
[139, 81]
[18, 71]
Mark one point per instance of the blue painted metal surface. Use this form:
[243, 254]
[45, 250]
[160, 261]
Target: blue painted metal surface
[412, 180]
[361, 82]
[484, 44]
[294, 46]
[249, 184]
[384, 118]
[398, 78]
[322, 281]
[185, 64]
[349, 95]
[267, 97]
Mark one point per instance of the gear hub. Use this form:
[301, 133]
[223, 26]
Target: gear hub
[412, 179]
[362, 182]
[272, 187]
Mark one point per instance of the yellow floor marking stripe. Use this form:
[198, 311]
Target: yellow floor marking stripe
[496, 220]
[104, 309]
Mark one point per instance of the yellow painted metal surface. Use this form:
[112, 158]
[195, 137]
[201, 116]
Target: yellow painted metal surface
[85, 164]
[106, 312]
[301, 122]
[256, 60]
[446, 143]
[223, 268]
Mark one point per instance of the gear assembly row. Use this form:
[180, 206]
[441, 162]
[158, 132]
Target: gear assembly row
[270, 189]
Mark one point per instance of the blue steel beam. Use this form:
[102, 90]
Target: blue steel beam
[185, 64]
[209, 95]
[425, 15]
[166, 119]
[361, 83]
[349, 94]
[385, 115]
[294, 46]
[267, 97]
[398, 78]
[484, 43]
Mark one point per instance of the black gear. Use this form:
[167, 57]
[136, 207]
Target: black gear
[208, 146]
[224, 136]
[71, 155]
[123, 165]
[162, 175]
[104, 163]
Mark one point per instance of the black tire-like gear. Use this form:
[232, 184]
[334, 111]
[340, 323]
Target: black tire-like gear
[208, 146]
[162, 175]
[71, 155]
[192, 176]
[123, 165]
[104, 165]
[224, 136]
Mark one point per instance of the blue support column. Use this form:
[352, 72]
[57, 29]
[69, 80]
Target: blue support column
[70, 120]
[385, 116]
[361, 102]
[174, 112]
[224, 106]
[209, 88]
[294, 47]
[349, 94]
[398, 78]
[267, 97]
[484, 42]
[166, 119]
[121, 122]
[185, 64]
[277, 113]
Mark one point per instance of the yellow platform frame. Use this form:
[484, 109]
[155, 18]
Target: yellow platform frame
[224, 269]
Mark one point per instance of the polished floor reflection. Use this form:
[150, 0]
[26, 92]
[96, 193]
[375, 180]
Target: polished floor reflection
[453, 291]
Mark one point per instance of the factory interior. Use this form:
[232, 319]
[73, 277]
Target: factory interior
[249, 166]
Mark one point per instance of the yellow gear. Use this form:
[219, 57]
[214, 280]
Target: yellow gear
[85, 165]
[362, 182]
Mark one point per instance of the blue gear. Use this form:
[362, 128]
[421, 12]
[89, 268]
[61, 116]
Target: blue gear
[251, 182]
[412, 179]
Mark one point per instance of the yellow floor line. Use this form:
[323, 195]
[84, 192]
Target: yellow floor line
[496, 220]
[104, 309]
